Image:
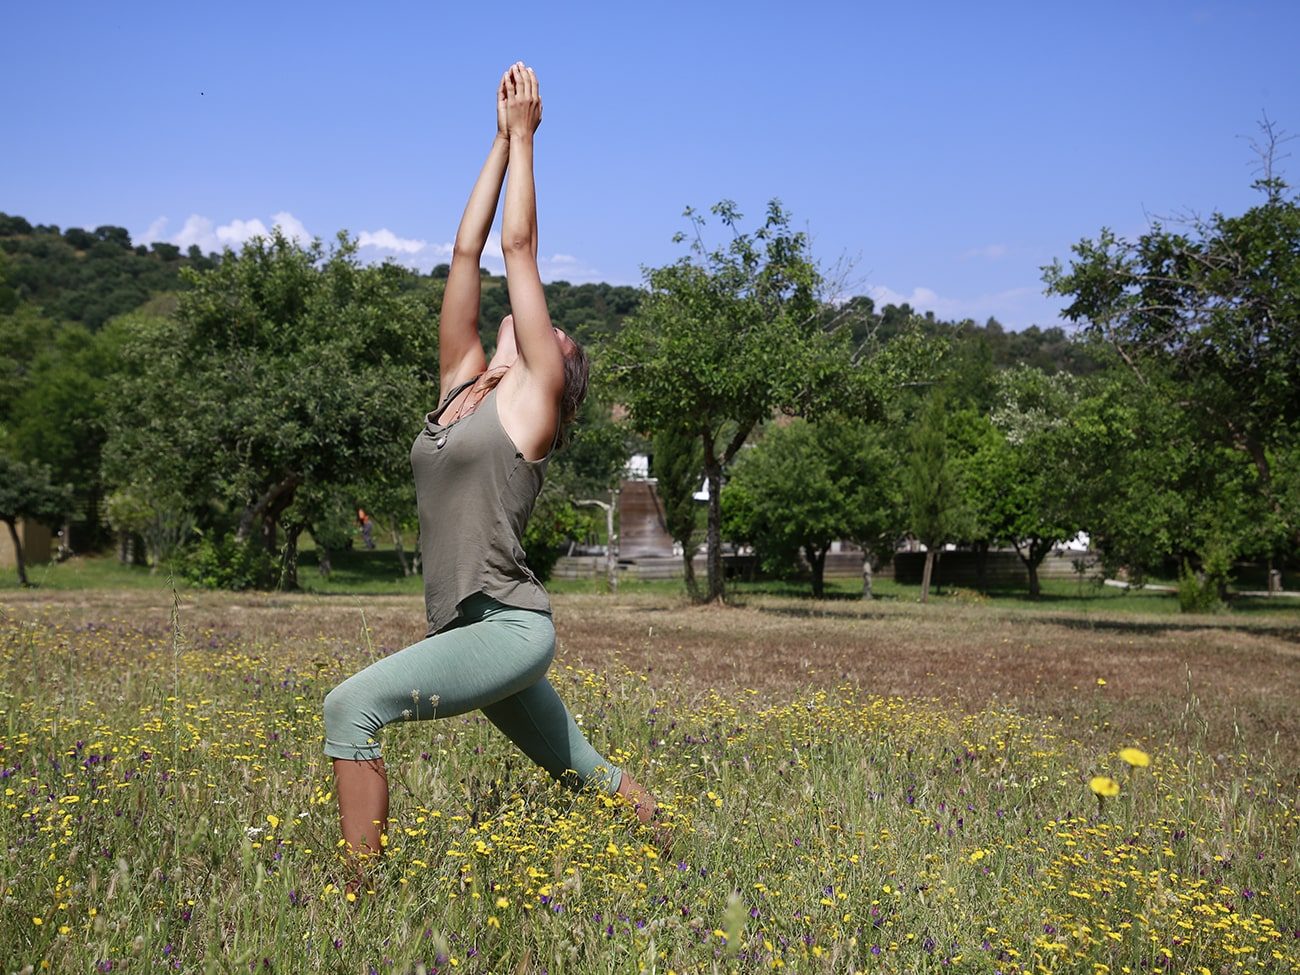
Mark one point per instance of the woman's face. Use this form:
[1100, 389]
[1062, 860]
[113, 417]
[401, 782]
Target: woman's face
[508, 350]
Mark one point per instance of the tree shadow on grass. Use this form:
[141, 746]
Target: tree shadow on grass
[1148, 627]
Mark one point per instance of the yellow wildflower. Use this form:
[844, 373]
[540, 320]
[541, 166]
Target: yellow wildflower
[1104, 785]
[1135, 757]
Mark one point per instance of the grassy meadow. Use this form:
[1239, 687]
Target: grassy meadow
[879, 787]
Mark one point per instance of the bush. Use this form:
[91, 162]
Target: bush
[1205, 591]
[228, 564]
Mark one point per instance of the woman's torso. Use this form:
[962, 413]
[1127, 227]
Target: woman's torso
[475, 492]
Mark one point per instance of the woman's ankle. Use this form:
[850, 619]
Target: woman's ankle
[643, 801]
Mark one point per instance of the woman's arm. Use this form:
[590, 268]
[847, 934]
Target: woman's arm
[460, 350]
[539, 350]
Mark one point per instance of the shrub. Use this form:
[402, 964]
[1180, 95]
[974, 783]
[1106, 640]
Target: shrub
[226, 563]
[1205, 591]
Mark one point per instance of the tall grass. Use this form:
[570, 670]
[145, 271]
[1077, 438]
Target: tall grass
[166, 807]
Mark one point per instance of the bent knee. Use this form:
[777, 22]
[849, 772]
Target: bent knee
[343, 709]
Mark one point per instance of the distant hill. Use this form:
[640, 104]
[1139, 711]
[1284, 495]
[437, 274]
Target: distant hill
[89, 276]
[85, 276]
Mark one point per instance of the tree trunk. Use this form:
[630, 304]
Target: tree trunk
[925, 574]
[688, 569]
[123, 547]
[1037, 551]
[817, 560]
[324, 566]
[18, 553]
[397, 547]
[866, 575]
[266, 511]
[713, 534]
[289, 560]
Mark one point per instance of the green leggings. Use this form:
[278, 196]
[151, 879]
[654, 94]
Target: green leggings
[493, 658]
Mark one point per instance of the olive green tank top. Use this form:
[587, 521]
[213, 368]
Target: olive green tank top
[475, 492]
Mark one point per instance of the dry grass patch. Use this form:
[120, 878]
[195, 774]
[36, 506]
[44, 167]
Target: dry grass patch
[1223, 684]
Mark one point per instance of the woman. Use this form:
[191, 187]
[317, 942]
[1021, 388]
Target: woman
[478, 468]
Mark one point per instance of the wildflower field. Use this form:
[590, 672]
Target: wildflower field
[850, 787]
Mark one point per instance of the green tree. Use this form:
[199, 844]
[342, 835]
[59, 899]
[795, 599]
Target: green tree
[804, 486]
[1155, 495]
[936, 511]
[1211, 311]
[283, 367]
[57, 418]
[677, 463]
[983, 459]
[162, 523]
[1033, 472]
[725, 337]
[26, 492]
[25, 334]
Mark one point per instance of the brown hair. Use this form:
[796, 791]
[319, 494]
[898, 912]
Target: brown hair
[577, 370]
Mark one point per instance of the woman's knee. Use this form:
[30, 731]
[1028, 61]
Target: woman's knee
[344, 708]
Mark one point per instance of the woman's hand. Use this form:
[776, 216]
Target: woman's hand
[502, 131]
[523, 100]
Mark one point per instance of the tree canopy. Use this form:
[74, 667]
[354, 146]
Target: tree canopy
[283, 368]
[726, 336]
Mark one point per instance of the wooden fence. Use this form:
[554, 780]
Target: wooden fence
[1001, 568]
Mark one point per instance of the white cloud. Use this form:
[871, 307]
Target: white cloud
[419, 255]
[1015, 307]
[989, 252]
[210, 237]
[386, 240]
[566, 267]
[237, 231]
[291, 227]
[373, 245]
[155, 232]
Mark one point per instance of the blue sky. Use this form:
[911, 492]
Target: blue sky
[942, 151]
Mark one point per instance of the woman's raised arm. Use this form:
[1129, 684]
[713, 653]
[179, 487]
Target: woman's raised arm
[460, 350]
[539, 350]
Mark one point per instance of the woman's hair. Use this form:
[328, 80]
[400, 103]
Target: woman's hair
[577, 370]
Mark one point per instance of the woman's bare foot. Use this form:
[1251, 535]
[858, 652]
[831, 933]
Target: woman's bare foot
[647, 811]
[643, 803]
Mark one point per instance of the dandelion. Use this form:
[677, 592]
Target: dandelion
[1104, 785]
[1136, 757]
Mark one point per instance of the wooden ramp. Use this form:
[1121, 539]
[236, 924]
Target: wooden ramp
[642, 532]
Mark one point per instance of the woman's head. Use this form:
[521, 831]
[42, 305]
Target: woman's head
[577, 367]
